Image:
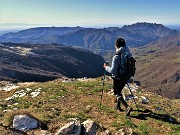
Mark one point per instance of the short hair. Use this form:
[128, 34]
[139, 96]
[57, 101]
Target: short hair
[120, 42]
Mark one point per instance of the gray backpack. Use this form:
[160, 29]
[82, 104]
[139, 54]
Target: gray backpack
[126, 66]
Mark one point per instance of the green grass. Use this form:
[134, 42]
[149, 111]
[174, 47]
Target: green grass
[129, 123]
[62, 101]
[144, 128]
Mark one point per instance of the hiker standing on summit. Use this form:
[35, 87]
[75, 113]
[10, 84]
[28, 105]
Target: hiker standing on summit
[119, 82]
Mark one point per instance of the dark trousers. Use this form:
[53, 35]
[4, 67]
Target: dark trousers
[118, 86]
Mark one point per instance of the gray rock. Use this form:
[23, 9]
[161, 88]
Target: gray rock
[71, 128]
[90, 127]
[24, 122]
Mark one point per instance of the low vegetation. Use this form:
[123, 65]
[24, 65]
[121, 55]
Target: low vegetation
[58, 101]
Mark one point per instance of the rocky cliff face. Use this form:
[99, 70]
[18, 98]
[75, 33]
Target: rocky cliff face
[24, 62]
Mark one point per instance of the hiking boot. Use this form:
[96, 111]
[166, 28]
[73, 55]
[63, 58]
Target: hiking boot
[117, 107]
[121, 110]
[128, 110]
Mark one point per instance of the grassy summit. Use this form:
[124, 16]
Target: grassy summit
[54, 102]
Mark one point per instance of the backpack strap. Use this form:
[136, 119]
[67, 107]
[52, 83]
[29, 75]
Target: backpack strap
[120, 54]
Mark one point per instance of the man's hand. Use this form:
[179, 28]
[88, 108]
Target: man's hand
[105, 65]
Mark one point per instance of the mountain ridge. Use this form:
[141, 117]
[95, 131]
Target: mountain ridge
[93, 39]
[162, 44]
[25, 62]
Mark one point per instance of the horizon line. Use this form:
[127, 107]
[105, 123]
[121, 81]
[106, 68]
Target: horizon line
[27, 26]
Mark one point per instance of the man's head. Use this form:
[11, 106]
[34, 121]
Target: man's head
[120, 42]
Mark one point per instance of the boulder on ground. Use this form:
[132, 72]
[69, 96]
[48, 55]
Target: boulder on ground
[89, 127]
[71, 128]
[24, 122]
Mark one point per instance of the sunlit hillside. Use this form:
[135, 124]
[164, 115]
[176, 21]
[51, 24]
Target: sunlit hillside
[158, 66]
[57, 102]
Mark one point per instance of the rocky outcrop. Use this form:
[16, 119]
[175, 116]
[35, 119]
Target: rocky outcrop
[25, 123]
[90, 127]
[70, 128]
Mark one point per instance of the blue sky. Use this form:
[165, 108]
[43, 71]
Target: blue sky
[89, 12]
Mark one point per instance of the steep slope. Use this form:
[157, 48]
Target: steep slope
[159, 66]
[25, 62]
[96, 40]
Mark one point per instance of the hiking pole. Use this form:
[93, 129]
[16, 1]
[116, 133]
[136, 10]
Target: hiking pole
[103, 86]
[133, 96]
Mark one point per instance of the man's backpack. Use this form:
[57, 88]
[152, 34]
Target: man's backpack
[126, 66]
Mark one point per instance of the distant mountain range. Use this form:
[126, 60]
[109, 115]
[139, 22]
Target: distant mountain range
[155, 47]
[97, 40]
[24, 62]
